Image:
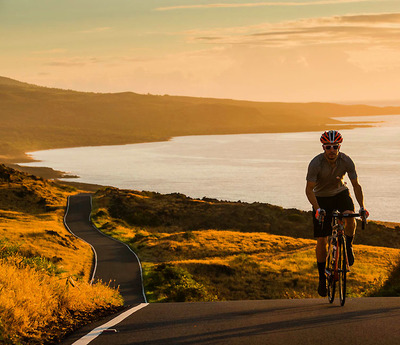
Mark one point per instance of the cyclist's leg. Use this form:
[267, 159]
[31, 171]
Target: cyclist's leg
[322, 231]
[321, 234]
[321, 263]
[349, 230]
[346, 205]
[321, 248]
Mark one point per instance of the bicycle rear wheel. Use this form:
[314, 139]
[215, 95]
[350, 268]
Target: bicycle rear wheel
[331, 283]
[342, 271]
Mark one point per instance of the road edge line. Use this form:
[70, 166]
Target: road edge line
[98, 330]
[126, 245]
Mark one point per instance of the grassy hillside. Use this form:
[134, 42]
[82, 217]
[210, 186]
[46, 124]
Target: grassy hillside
[44, 270]
[34, 118]
[212, 250]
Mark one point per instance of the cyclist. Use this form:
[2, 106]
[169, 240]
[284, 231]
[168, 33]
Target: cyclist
[326, 191]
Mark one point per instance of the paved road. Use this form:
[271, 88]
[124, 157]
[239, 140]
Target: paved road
[115, 261]
[362, 321]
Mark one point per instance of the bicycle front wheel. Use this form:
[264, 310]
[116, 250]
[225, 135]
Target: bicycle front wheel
[342, 266]
[331, 288]
[330, 269]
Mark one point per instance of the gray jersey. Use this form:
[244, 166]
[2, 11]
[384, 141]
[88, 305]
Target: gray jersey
[329, 181]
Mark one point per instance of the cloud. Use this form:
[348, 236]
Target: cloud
[258, 4]
[372, 29]
[73, 62]
[50, 51]
[95, 30]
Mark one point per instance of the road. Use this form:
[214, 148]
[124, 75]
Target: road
[114, 261]
[307, 321]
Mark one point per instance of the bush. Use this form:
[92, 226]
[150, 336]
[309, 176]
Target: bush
[169, 283]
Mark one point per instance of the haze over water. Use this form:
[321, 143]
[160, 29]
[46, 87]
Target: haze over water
[268, 168]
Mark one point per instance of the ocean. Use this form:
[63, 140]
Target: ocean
[268, 168]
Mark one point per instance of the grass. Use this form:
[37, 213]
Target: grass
[206, 250]
[191, 250]
[39, 304]
[44, 270]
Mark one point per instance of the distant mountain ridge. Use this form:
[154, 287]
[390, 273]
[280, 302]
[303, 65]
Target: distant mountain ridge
[36, 117]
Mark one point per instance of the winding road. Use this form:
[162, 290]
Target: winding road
[305, 321]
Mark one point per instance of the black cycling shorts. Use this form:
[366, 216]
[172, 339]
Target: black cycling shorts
[340, 202]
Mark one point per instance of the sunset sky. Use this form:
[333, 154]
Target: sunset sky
[294, 50]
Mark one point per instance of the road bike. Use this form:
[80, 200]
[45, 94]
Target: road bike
[337, 264]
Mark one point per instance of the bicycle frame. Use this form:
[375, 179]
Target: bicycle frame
[336, 239]
[337, 263]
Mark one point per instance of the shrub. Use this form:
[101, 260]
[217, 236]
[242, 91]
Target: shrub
[170, 283]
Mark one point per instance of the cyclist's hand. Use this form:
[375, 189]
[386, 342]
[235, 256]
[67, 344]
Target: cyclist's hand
[363, 213]
[320, 214]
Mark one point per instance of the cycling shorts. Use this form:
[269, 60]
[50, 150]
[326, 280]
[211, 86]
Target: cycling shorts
[340, 202]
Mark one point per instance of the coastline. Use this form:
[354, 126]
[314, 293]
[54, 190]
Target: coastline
[16, 157]
[55, 175]
[58, 176]
[49, 173]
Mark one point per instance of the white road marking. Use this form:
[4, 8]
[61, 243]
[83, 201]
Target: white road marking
[97, 331]
[126, 245]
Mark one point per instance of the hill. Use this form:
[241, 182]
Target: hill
[44, 270]
[35, 118]
[198, 250]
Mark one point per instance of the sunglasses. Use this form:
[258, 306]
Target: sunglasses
[328, 147]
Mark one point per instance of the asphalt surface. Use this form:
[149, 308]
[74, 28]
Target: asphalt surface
[115, 262]
[361, 321]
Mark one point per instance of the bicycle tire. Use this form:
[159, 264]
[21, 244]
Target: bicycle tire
[331, 284]
[342, 271]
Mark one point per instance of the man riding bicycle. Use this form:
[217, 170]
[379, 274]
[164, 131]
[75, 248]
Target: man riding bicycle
[327, 192]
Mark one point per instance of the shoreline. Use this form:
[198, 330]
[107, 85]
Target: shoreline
[56, 175]
[24, 157]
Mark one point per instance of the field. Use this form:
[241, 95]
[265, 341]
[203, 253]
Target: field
[191, 250]
[209, 250]
[44, 270]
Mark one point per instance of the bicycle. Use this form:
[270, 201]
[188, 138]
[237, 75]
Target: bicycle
[337, 264]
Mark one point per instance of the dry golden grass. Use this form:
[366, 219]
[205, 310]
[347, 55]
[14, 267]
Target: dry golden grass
[38, 308]
[46, 236]
[224, 264]
[44, 270]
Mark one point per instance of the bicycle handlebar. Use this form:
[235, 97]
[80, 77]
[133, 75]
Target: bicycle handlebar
[340, 215]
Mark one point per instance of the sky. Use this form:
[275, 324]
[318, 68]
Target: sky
[284, 51]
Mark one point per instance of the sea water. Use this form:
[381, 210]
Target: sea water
[269, 168]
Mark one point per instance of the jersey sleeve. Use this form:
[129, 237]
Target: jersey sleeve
[312, 172]
[351, 169]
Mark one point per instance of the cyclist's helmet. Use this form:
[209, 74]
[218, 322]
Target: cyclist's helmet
[331, 137]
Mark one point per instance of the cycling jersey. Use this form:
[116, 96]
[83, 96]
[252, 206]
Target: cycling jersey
[328, 179]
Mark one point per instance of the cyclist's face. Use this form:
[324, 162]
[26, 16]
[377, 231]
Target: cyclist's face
[331, 151]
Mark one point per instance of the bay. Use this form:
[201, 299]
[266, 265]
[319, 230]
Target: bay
[268, 168]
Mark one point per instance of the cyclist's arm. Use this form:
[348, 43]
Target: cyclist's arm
[358, 191]
[310, 194]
